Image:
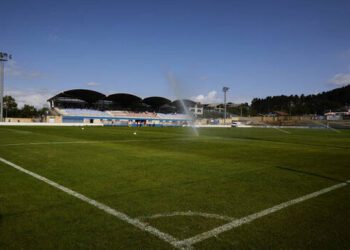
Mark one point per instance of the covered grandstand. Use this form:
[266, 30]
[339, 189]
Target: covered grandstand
[88, 106]
[77, 98]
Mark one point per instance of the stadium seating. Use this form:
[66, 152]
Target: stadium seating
[172, 116]
[119, 114]
[83, 112]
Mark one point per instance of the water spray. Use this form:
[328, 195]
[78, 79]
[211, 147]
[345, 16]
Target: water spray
[175, 84]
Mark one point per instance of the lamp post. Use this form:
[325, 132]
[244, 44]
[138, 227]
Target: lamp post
[3, 58]
[225, 89]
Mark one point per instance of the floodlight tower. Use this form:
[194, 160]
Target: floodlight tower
[3, 58]
[225, 89]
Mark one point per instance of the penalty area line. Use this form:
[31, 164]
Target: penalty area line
[123, 217]
[245, 220]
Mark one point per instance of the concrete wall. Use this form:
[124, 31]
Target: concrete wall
[40, 124]
[274, 120]
[18, 120]
[261, 120]
[48, 119]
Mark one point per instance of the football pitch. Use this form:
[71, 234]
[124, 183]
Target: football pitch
[163, 188]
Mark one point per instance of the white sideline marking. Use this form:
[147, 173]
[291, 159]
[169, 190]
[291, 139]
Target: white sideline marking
[135, 222]
[46, 143]
[326, 126]
[282, 130]
[91, 142]
[189, 213]
[252, 217]
[277, 128]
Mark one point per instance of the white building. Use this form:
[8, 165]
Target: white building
[196, 110]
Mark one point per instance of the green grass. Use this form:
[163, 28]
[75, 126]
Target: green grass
[233, 172]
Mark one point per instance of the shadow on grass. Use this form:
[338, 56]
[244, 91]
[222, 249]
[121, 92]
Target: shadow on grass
[311, 174]
[295, 143]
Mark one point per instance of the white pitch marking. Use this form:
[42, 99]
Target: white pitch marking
[135, 222]
[335, 130]
[252, 217]
[180, 244]
[47, 143]
[189, 213]
[282, 130]
[89, 142]
[326, 126]
[275, 127]
[279, 129]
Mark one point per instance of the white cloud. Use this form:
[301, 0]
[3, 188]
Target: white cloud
[340, 79]
[211, 97]
[241, 99]
[12, 69]
[91, 84]
[36, 98]
[214, 97]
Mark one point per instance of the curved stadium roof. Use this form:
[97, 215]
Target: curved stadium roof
[89, 98]
[124, 99]
[86, 95]
[156, 102]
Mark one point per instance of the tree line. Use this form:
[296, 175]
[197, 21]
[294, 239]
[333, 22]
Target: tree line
[27, 111]
[335, 100]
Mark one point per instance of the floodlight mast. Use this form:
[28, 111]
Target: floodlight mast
[3, 58]
[225, 89]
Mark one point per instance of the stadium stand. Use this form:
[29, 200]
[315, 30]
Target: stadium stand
[118, 113]
[84, 112]
[87, 106]
[172, 116]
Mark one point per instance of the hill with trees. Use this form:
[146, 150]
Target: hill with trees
[335, 100]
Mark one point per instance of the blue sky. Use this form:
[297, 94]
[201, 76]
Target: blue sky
[257, 48]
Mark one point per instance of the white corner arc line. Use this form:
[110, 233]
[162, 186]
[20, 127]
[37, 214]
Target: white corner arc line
[252, 217]
[135, 222]
[188, 213]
